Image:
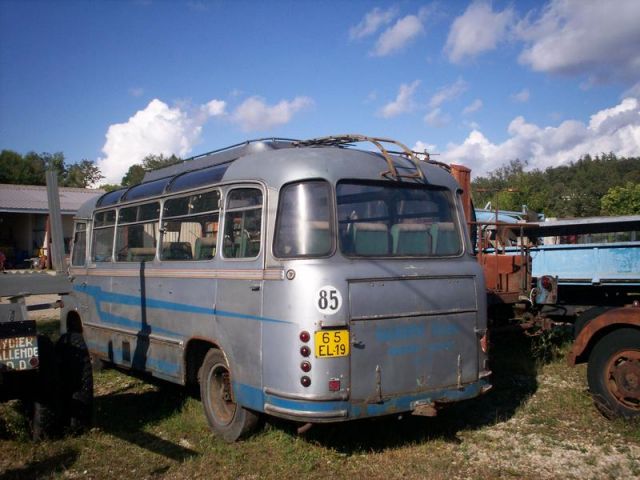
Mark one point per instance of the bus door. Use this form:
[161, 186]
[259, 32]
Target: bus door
[239, 288]
[411, 336]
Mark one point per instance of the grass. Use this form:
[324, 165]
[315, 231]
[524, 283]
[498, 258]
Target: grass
[537, 422]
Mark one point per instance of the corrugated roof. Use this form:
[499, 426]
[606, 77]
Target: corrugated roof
[33, 198]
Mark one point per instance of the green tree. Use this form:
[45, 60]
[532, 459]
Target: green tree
[622, 200]
[153, 162]
[110, 187]
[572, 190]
[83, 174]
[134, 175]
[30, 169]
[10, 162]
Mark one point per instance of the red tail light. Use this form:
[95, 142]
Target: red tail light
[484, 343]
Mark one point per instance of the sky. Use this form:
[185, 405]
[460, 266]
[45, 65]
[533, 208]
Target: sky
[478, 83]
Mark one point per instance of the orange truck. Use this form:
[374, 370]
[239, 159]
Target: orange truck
[607, 338]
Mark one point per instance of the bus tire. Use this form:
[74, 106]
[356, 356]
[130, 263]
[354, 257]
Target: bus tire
[227, 419]
[76, 381]
[44, 407]
[613, 373]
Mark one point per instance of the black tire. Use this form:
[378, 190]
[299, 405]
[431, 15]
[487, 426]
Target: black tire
[613, 373]
[44, 402]
[76, 381]
[227, 419]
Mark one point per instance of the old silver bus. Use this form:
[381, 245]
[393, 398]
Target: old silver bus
[308, 280]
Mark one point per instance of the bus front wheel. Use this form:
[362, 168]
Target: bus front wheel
[226, 418]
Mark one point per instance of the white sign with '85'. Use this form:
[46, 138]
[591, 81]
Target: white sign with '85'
[328, 300]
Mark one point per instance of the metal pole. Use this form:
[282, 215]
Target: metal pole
[55, 219]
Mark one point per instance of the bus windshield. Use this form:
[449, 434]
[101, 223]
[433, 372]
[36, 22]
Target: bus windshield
[381, 219]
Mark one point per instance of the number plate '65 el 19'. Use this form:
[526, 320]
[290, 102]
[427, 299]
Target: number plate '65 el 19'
[332, 343]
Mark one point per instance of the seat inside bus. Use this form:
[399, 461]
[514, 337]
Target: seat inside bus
[411, 239]
[370, 238]
[320, 237]
[446, 240]
[177, 251]
[205, 248]
[141, 254]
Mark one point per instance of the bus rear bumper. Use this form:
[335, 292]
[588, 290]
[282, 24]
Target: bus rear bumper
[342, 409]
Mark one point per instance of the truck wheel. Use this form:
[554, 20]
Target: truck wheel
[44, 407]
[613, 373]
[76, 381]
[226, 418]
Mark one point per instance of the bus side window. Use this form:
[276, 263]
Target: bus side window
[79, 254]
[243, 223]
[190, 227]
[137, 233]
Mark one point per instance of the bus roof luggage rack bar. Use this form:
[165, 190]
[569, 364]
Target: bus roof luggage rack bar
[348, 140]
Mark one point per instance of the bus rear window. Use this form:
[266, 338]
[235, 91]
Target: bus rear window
[304, 221]
[377, 219]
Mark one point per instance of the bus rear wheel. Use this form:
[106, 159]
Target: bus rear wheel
[226, 418]
[613, 373]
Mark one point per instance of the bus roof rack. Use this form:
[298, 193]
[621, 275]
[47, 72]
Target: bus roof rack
[347, 140]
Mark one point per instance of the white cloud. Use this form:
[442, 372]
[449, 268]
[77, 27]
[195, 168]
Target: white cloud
[158, 129]
[255, 114]
[615, 129]
[422, 147]
[435, 118]
[215, 108]
[404, 101]
[574, 37]
[473, 107]
[477, 30]
[448, 93]
[522, 96]
[372, 22]
[399, 35]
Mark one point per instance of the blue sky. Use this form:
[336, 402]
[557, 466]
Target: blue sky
[481, 83]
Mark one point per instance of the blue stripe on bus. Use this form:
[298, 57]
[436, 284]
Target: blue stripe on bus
[254, 398]
[100, 296]
[168, 368]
